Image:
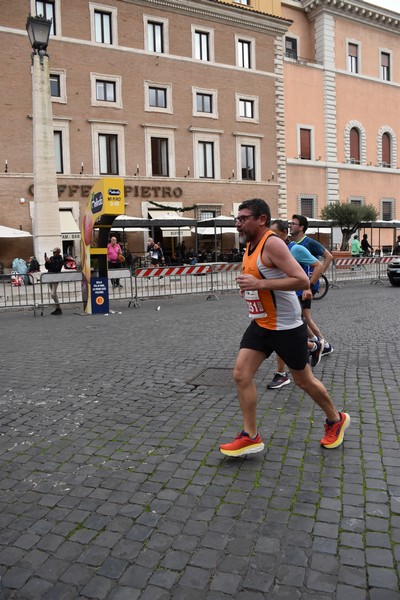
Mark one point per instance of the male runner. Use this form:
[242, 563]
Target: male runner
[269, 278]
[298, 228]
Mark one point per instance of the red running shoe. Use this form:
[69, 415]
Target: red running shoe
[242, 445]
[334, 432]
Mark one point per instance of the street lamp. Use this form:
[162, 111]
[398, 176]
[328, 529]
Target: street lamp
[46, 218]
[38, 29]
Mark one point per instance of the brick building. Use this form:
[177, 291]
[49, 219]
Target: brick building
[342, 107]
[183, 99]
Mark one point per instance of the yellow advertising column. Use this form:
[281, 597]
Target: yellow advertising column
[105, 202]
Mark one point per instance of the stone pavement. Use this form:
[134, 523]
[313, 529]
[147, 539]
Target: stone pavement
[112, 485]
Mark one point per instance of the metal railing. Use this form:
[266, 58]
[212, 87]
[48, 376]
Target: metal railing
[144, 283]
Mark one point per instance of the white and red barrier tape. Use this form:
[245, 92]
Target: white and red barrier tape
[168, 271]
[341, 262]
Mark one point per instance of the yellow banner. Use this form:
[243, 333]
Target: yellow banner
[106, 198]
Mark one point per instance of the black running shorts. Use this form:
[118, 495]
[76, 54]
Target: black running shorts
[289, 344]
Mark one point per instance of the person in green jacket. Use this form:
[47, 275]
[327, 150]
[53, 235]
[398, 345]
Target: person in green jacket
[356, 249]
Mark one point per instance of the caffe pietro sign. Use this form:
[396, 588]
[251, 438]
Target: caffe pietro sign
[135, 191]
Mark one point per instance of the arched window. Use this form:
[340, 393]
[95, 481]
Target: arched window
[354, 145]
[386, 149]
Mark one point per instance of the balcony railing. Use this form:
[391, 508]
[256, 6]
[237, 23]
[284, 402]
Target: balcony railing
[301, 59]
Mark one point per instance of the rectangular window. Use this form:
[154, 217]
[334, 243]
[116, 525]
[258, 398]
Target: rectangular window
[102, 22]
[357, 200]
[248, 162]
[307, 207]
[46, 9]
[55, 85]
[352, 58]
[204, 103]
[159, 157]
[206, 160]
[58, 150]
[244, 54]
[305, 144]
[291, 47]
[105, 90]
[246, 2]
[385, 66]
[387, 210]
[108, 154]
[202, 45]
[157, 97]
[155, 36]
[246, 109]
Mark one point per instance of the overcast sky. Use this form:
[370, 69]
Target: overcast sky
[390, 4]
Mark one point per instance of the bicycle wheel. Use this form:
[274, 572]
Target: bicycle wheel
[323, 288]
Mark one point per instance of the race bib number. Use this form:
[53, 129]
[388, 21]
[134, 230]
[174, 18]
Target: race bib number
[254, 306]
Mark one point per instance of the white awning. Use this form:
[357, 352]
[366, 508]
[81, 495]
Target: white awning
[167, 214]
[319, 230]
[172, 232]
[69, 227]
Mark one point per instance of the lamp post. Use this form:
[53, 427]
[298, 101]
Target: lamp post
[46, 218]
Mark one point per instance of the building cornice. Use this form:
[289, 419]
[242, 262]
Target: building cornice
[222, 13]
[356, 10]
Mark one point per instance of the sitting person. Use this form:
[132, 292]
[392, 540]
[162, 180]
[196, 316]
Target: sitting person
[191, 257]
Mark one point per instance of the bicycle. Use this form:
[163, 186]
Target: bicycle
[323, 287]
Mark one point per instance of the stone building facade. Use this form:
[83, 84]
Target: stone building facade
[183, 99]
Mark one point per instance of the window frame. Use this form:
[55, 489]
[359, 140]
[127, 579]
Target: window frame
[62, 125]
[159, 132]
[113, 12]
[248, 140]
[206, 92]
[163, 140]
[357, 200]
[116, 80]
[388, 53]
[256, 113]
[296, 39]
[349, 58]
[102, 128]
[300, 208]
[168, 94]
[239, 39]
[62, 77]
[147, 20]
[310, 129]
[392, 203]
[206, 136]
[57, 15]
[210, 36]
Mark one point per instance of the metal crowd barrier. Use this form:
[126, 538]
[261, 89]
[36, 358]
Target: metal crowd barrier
[155, 282]
[69, 289]
[210, 278]
[22, 295]
[372, 269]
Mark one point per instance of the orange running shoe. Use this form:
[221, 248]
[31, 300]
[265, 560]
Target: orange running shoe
[334, 432]
[242, 445]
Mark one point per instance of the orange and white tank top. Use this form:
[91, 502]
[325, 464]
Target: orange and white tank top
[272, 309]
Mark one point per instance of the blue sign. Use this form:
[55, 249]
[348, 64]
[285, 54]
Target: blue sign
[99, 292]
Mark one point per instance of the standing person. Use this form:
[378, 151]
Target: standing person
[54, 264]
[156, 253]
[366, 246]
[313, 268]
[269, 278]
[113, 250]
[356, 248]
[298, 227]
[396, 247]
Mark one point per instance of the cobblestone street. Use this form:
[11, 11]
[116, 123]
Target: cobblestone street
[112, 485]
